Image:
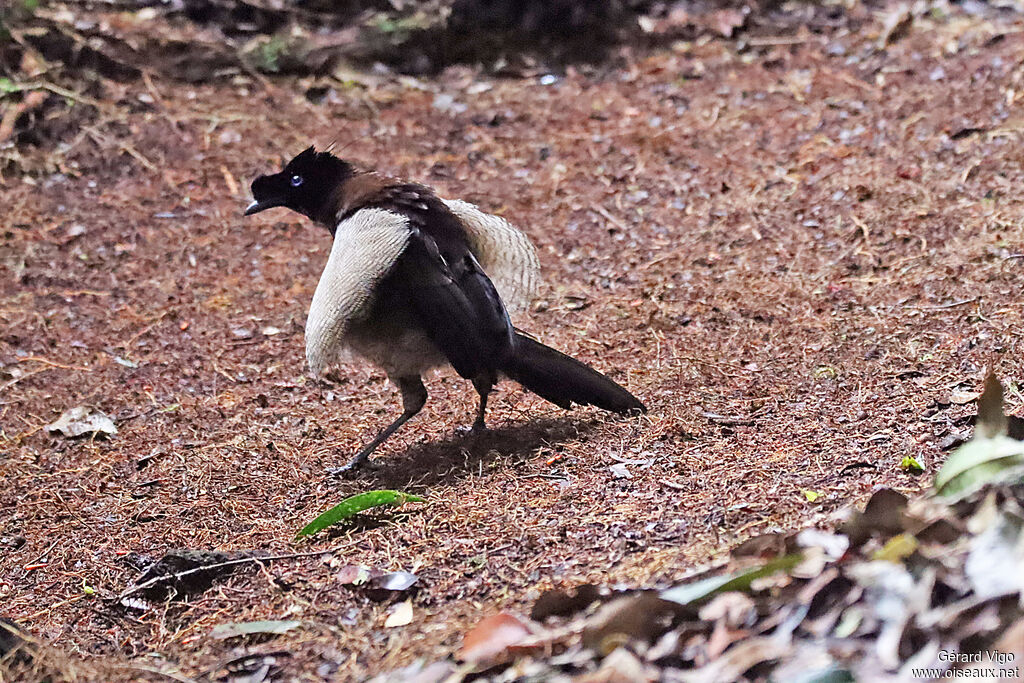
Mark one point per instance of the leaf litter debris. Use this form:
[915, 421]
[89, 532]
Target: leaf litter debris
[902, 590]
[81, 421]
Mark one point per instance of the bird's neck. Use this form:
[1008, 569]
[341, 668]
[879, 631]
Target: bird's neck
[350, 195]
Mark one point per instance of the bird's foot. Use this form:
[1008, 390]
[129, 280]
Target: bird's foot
[476, 429]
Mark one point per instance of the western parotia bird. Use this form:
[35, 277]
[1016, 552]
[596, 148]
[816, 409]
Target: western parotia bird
[414, 281]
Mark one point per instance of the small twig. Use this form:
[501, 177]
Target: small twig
[248, 342]
[769, 41]
[728, 420]
[101, 140]
[611, 219]
[858, 465]
[41, 555]
[73, 598]
[31, 101]
[44, 361]
[939, 307]
[131, 341]
[219, 371]
[229, 180]
[152, 90]
[630, 461]
[57, 90]
[7, 385]
[718, 364]
[217, 565]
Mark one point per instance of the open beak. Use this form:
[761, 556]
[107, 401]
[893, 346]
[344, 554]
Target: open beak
[259, 205]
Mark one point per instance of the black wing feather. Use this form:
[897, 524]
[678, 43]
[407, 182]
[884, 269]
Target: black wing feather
[454, 301]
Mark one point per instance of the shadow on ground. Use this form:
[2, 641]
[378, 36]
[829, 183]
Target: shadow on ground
[467, 454]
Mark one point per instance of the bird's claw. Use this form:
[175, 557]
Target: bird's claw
[476, 429]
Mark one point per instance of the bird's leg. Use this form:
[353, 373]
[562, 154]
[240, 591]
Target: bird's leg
[414, 396]
[483, 387]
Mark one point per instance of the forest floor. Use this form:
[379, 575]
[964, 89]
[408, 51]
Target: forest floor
[802, 255]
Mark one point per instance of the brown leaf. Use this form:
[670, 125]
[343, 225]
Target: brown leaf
[621, 666]
[991, 420]
[356, 574]
[883, 516]
[909, 171]
[488, 643]
[400, 614]
[386, 586]
[765, 546]
[558, 603]
[941, 531]
[636, 617]
[897, 26]
[418, 672]
[733, 608]
[1012, 641]
[740, 658]
[726, 21]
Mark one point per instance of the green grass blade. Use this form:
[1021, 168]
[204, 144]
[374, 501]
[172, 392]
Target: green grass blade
[355, 505]
[690, 593]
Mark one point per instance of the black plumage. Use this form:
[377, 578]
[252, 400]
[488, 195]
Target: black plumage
[407, 287]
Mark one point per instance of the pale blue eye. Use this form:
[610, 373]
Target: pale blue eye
[296, 180]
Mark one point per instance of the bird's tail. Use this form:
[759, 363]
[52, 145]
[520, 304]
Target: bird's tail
[564, 380]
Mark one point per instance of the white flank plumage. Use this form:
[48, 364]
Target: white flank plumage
[505, 253]
[365, 246]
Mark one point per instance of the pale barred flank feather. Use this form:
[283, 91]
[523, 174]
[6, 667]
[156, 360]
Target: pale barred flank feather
[365, 247]
[505, 253]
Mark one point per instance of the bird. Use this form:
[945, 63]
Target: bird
[414, 281]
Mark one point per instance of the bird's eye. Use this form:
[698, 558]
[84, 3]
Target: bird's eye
[296, 180]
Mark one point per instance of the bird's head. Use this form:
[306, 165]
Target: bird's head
[308, 184]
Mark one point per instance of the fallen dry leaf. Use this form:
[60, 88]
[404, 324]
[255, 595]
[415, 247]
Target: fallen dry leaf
[400, 614]
[489, 641]
[79, 421]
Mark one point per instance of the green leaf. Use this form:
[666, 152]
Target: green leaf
[896, 549]
[911, 464]
[990, 457]
[825, 372]
[811, 496]
[739, 581]
[355, 505]
[978, 462]
[247, 628]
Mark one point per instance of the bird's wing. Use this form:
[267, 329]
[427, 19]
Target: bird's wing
[504, 252]
[455, 303]
[366, 246]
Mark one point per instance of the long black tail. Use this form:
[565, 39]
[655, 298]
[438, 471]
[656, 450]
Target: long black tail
[564, 380]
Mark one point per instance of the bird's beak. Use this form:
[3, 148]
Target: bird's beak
[262, 205]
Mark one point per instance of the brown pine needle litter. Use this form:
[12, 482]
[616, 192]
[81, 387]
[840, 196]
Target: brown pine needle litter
[812, 241]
